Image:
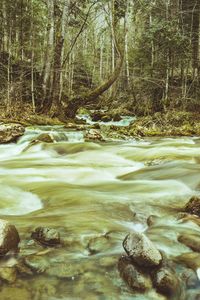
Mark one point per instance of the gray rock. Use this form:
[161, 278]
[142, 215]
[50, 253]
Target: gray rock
[166, 281]
[141, 250]
[193, 206]
[46, 236]
[132, 275]
[9, 237]
[10, 132]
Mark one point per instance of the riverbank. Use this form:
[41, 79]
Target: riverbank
[170, 124]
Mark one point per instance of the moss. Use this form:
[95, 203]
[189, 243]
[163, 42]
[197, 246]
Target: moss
[172, 123]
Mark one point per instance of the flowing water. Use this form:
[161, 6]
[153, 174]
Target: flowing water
[94, 194]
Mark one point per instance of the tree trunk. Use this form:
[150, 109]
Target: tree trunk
[48, 58]
[58, 61]
[76, 102]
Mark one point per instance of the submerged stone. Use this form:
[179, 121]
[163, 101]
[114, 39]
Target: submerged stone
[36, 263]
[192, 241]
[98, 244]
[191, 260]
[46, 236]
[166, 281]
[133, 275]
[141, 250]
[45, 137]
[8, 274]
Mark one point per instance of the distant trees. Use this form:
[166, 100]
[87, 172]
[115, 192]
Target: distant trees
[58, 55]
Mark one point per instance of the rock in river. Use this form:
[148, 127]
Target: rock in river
[166, 281]
[46, 236]
[193, 206]
[94, 135]
[141, 250]
[192, 241]
[132, 275]
[9, 237]
[10, 132]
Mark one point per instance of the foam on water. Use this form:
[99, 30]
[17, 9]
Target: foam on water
[15, 201]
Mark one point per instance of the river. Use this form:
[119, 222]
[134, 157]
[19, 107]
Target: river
[94, 194]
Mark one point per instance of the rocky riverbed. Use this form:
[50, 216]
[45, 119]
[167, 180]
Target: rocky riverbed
[73, 199]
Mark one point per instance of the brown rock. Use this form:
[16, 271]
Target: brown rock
[193, 206]
[133, 275]
[9, 237]
[166, 281]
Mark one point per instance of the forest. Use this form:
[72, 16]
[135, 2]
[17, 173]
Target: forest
[57, 56]
[99, 149]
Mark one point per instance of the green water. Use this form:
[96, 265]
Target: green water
[94, 194]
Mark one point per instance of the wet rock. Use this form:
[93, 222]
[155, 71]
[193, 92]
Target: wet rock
[8, 274]
[93, 134]
[166, 281]
[45, 138]
[10, 132]
[96, 117]
[141, 250]
[117, 118]
[193, 206]
[192, 241]
[36, 263]
[132, 275]
[106, 118]
[9, 237]
[62, 270]
[98, 244]
[46, 236]
[190, 278]
[23, 269]
[107, 261]
[80, 121]
[152, 220]
[191, 260]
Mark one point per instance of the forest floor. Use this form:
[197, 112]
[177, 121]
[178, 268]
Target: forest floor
[170, 123]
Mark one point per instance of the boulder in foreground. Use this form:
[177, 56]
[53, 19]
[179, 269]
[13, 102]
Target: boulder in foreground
[141, 250]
